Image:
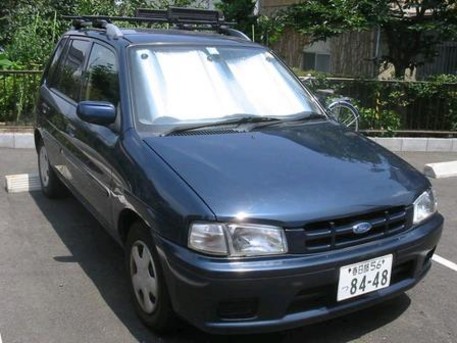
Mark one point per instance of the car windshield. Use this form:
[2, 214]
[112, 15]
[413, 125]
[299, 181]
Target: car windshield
[174, 85]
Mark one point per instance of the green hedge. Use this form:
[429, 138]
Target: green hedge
[388, 106]
[18, 91]
[391, 106]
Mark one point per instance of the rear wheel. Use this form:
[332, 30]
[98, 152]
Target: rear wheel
[51, 186]
[345, 113]
[146, 280]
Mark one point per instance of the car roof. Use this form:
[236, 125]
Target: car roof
[151, 36]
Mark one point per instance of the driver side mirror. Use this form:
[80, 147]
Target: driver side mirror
[96, 112]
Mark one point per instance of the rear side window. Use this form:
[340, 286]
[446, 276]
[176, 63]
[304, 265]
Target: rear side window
[102, 82]
[51, 74]
[71, 70]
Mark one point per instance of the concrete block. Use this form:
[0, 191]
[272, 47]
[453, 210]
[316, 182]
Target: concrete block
[24, 141]
[392, 144]
[22, 183]
[439, 144]
[414, 144]
[6, 140]
[441, 170]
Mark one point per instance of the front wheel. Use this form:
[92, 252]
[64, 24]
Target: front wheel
[147, 284]
[345, 113]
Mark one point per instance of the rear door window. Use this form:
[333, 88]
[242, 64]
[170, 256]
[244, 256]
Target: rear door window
[71, 70]
[51, 74]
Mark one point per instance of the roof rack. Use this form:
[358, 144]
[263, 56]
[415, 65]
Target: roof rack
[180, 15]
[181, 18]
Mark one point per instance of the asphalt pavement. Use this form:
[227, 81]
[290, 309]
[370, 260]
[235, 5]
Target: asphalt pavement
[62, 279]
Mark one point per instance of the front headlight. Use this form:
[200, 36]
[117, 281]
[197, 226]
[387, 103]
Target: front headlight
[237, 239]
[424, 206]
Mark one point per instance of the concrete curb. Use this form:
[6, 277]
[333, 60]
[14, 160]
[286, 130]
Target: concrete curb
[17, 140]
[418, 144]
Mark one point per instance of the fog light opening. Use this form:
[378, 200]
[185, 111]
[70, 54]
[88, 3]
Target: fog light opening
[238, 309]
[429, 256]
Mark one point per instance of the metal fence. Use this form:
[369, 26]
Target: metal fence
[18, 91]
[423, 107]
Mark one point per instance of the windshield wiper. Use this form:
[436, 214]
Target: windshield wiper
[236, 119]
[302, 116]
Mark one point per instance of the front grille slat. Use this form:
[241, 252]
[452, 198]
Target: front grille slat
[397, 216]
[349, 243]
[343, 230]
[397, 229]
[338, 233]
[379, 221]
[317, 234]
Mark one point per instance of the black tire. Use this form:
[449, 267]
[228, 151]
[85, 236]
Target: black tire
[345, 113]
[51, 185]
[160, 316]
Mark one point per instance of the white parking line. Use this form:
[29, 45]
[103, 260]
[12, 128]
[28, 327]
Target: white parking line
[1, 338]
[440, 260]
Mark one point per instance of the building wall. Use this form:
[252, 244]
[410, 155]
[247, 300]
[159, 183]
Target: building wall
[352, 54]
[349, 52]
[444, 63]
[290, 47]
[269, 6]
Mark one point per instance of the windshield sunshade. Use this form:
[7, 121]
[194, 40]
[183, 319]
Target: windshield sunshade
[175, 85]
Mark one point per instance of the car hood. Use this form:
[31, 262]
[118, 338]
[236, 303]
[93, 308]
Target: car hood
[289, 174]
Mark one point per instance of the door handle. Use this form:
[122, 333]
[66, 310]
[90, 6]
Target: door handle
[71, 130]
[45, 108]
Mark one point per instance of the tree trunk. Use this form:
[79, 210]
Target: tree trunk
[400, 69]
[403, 49]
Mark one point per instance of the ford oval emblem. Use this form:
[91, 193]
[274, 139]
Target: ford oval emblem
[360, 228]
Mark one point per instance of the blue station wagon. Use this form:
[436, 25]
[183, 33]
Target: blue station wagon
[242, 206]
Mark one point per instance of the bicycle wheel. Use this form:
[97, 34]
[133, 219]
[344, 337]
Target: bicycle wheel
[345, 113]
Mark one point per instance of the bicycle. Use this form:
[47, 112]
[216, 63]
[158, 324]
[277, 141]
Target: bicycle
[340, 108]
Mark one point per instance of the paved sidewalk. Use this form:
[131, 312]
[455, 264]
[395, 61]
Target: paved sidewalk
[18, 161]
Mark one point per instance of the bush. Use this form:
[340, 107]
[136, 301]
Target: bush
[386, 120]
[429, 106]
[32, 44]
[17, 97]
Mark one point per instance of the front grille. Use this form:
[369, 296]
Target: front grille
[338, 233]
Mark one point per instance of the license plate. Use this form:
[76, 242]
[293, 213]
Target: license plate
[364, 277]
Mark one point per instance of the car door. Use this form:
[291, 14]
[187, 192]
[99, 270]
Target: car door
[82, 146]
[49, 108]
[61, 93]
[93, 144]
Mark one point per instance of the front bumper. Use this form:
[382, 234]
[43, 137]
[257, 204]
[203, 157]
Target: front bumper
[277, 293]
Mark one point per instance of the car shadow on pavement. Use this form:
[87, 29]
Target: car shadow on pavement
[102, 260]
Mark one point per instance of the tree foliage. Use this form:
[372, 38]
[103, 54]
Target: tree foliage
[29, 29]
[261, 28]
[412, 29]
[239, 11]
